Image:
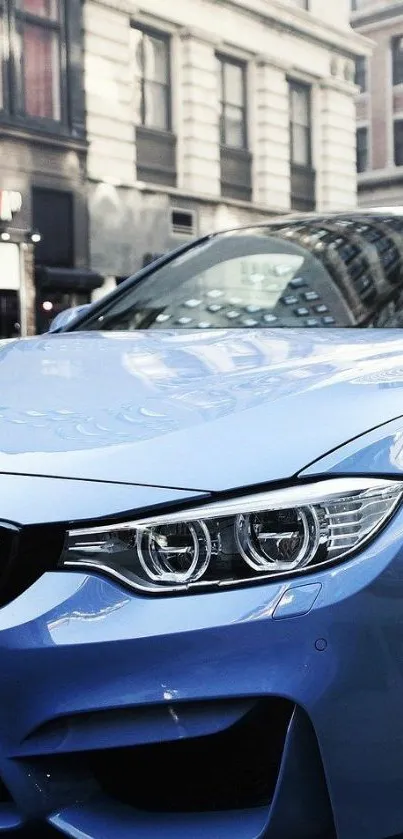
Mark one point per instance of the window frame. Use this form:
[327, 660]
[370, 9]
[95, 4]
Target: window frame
[223, 60]
[166, 39]
[156, 148]
[69, 28]
[20, 18]
[303, 190]
[295, 85]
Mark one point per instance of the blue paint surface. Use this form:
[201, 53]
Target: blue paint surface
[93, 426]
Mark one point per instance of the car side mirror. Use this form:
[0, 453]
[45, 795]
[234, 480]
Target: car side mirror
[67, 316]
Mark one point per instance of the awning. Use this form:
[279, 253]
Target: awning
[68, 279]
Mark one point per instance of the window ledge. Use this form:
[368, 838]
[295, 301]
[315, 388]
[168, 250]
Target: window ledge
[215, 200]
[156, 156]
[158, 133]
[373, 176]
[299, 167]
[41, 134]
[235, 151]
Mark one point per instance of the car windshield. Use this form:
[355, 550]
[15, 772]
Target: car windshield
[321, 273]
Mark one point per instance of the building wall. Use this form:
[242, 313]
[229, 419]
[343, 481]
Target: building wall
[336, 14]
[25, 165]
[376, 106]
[42, 148]
[278, 40]
[382, 183]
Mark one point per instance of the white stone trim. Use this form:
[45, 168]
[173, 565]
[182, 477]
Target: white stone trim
[203, 198]
[126, 6]
[157, 22]
[196, 34]
[288, 19]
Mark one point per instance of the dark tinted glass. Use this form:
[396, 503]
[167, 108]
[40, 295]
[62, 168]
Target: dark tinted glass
[397, 59]
[361, 73]
[362, 149]
[332, 271]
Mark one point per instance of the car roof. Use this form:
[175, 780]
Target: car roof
[358, 212]
[307, 218]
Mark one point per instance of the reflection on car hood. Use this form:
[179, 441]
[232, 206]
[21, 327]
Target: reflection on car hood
[210, 411]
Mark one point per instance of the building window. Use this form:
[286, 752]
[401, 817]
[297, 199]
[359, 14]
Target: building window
[41, 66]
[361, 73]
[362, 149]
[152, 79]
[300, 124]
[233, 103]
[397, 59]
[155, 142]
[302, 173]
[236, 160]
[39, 35]
[398, 141]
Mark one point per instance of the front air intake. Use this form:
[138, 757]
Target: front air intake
[235, 769]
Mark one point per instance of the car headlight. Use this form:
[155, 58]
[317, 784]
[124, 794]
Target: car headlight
[233, 542]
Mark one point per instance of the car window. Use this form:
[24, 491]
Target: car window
[247, 279]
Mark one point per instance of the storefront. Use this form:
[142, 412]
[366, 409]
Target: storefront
[43, 162]
[43, 264]
[60, 283]
[17, 244]
[10, 287]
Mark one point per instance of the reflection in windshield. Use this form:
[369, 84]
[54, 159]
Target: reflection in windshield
[247, 279]
[342, 270]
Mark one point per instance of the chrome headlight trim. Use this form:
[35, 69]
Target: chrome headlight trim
[378, 496]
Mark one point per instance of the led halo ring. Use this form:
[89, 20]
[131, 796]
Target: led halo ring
[209, 545]
[310, 542]
[159, 569]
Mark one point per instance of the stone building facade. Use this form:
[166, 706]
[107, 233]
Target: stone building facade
[202, 115]
[380, 103]
[44, 253]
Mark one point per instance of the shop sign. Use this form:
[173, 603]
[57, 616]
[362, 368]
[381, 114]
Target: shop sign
[10, 204]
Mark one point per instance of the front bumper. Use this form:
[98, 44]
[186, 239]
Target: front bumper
[110, 701]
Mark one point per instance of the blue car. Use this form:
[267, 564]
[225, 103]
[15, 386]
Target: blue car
[201, 541]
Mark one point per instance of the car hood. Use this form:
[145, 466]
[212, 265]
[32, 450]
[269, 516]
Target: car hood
[210, 411]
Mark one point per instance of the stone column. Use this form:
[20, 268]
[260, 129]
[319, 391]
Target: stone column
[109, 79]
[198, 128]
[272, 144]
[336, 162]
